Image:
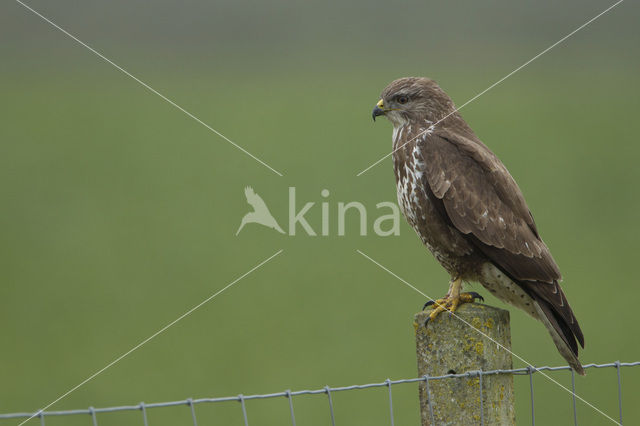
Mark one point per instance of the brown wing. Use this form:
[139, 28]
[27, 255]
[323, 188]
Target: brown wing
[483, 201]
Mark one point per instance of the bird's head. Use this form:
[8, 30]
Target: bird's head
[413, 99]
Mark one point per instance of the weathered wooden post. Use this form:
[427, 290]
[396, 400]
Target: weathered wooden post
[449, 346]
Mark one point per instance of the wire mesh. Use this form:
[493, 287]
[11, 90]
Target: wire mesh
[190, 403]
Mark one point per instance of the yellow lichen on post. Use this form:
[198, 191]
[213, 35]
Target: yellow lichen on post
[450, 346]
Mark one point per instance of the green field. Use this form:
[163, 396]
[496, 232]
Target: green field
[119, 213]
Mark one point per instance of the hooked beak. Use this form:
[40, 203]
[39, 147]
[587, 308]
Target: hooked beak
[378, 110]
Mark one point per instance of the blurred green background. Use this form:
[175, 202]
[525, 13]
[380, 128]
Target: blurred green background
[119, 212]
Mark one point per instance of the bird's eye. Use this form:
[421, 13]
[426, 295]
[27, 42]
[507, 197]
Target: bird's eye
[402, 99]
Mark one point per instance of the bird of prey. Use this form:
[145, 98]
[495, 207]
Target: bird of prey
[470, 213]
[260, 213]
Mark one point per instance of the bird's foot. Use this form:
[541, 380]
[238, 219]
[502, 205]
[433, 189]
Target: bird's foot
[449, 303]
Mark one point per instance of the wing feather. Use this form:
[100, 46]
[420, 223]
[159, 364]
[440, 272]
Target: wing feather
[482, 200]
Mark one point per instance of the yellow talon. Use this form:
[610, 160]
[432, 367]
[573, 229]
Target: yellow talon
[436, 311]
[451, 301]
[436, 303]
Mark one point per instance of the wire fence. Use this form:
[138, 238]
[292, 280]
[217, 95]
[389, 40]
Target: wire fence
[190, 403]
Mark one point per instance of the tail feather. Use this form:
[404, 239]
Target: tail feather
[561, 333]
[544, 301]
[555, 298]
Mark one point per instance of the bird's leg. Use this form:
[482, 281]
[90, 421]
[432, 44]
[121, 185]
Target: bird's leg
[452, 300]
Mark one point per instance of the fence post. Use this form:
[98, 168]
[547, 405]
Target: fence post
[447, 346]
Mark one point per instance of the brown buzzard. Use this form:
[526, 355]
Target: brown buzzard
[469, 211]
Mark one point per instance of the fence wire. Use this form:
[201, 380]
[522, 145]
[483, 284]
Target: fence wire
[190, 403]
